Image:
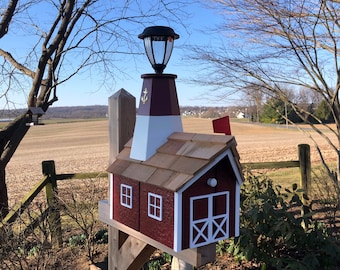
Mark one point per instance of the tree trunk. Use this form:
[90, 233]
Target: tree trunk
[3, 193]
[10, 138]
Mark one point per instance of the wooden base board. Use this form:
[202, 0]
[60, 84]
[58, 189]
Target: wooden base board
[196, 257]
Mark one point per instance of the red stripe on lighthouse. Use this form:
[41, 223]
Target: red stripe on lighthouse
[159, 96]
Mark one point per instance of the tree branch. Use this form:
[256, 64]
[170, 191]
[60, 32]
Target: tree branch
[16, 64]
[7, 17]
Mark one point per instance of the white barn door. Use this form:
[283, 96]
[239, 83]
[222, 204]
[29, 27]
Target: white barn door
[209, 218]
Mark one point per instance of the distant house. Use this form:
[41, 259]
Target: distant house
[240, 115]
[185, 196]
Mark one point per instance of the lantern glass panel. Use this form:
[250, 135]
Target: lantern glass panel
[168, 50]
[158, 50]
[149, 50]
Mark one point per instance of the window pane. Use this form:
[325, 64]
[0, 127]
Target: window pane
[155, 206]
[126, 196]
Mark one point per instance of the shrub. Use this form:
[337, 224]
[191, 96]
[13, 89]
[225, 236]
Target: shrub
[159, 260]
[24, 247]
[80, 208]
[26, 242]
[278, 231]
[77, 240]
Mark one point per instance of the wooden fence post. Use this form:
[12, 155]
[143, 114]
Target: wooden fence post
[122, 118]
[305, 167]
[48, 169]
[125, 252]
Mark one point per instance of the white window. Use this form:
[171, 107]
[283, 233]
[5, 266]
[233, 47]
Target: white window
[126, 196]
[155, 203]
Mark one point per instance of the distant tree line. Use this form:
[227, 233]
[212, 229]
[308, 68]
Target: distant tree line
[100, 111]
[274, 110]
[277, 111]
[80, 112]
[298, 105]
[72, 112]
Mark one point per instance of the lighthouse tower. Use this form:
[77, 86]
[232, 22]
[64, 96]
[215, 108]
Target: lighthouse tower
[158, 114]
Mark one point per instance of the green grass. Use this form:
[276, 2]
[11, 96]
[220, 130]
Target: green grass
[285, 177]
[322, 186]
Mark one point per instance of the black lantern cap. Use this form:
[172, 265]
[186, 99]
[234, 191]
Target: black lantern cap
[158, 31]
[158, 44]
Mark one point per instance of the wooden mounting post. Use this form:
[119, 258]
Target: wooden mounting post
[305, 167]
[48, 169]
[178, 264]
[125, 251]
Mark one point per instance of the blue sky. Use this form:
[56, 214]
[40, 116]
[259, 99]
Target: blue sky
[84, 89]
[188, 94]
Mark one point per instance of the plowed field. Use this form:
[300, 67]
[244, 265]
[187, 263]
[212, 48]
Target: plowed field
[83, 147]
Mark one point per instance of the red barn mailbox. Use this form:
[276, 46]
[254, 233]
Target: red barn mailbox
[184, 196]
[174, 190]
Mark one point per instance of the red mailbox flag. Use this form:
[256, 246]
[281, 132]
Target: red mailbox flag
[222, 125]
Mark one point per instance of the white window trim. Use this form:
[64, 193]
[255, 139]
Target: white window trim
[124, 187]
[154, 206]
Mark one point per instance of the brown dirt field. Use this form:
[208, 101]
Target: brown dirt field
[83, 147]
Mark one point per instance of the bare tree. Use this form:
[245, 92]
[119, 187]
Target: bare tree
[278, 45]
[255, 97]
[68, 36]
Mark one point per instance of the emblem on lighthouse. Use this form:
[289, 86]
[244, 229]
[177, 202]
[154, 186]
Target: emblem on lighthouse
[145, 96]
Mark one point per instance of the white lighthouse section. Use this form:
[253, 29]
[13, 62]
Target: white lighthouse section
[151, 132]
[158, 115]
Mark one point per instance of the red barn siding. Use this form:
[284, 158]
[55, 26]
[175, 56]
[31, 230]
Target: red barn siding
[127, 216]
[161, 231]
[226, 182]
[224, 171]
[200, 187]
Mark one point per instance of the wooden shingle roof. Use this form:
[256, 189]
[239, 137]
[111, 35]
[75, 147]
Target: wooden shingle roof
[176, 161]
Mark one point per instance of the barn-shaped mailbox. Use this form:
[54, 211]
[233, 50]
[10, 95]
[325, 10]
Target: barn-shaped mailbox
[186, 195]
[173, 190]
